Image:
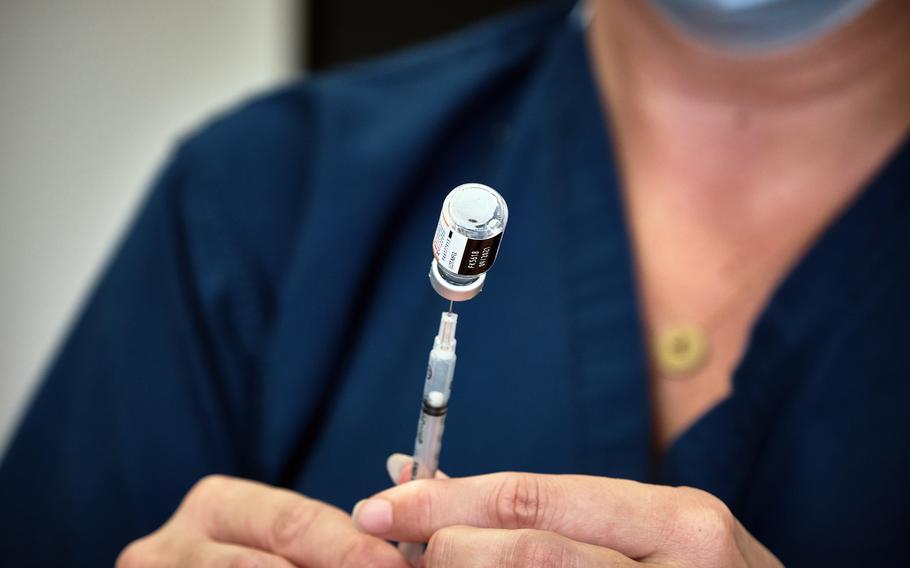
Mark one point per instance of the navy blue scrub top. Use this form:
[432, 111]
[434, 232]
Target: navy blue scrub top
[268, 315]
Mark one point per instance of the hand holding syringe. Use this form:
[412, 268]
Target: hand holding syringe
[465, 245]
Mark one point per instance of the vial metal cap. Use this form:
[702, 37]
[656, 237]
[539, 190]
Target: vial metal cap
[454, 292]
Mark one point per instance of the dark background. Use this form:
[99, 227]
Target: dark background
[342, 31]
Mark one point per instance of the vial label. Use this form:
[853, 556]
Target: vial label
[478, 255]
[460, 254]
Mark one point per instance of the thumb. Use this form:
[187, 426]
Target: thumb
[399, 468]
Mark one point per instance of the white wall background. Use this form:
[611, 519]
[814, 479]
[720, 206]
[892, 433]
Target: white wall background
[93, 93]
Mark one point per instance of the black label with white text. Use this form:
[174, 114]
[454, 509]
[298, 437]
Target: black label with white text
[478, 255]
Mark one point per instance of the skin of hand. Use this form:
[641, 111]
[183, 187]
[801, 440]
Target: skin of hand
[225, 521]
[528, 521]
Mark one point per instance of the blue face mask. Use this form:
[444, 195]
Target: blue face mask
[759, 26]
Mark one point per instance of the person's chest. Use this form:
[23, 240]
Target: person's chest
[551, 372]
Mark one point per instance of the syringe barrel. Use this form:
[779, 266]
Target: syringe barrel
[436, 391]
[427, 446]
[433, 414]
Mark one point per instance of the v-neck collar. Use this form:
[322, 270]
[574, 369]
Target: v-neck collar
[562, 150]
[849, 259]
[610, 357]
[609, 354]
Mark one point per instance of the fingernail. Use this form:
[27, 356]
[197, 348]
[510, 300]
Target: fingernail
[373, 516]
[395, 464]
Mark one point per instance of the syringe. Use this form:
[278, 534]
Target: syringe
[436, 390]
[465, 244]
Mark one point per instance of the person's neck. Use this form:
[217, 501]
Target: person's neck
[752, 140]
[731, 167]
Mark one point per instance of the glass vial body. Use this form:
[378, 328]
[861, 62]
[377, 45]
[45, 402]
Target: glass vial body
[469, 232]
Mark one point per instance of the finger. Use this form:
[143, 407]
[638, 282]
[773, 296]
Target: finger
[633, 518]
[186, 549]
[468, 547]
[305, 531]
[399, 467]
[209, 554]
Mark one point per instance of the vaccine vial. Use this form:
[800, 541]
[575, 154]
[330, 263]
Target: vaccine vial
[467, 239]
